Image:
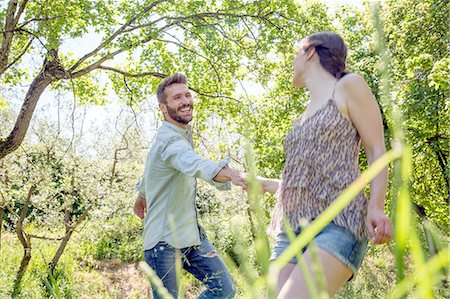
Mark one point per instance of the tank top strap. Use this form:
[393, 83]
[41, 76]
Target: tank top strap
[334, 89]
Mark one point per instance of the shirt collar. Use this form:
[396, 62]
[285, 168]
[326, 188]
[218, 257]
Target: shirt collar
[184, 132]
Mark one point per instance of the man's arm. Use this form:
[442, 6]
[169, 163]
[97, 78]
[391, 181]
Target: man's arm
[140, 206]
[180, 155]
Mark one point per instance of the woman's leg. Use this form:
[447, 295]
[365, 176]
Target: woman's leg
[335, 272]
[283, 276]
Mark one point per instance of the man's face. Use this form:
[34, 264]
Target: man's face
[179, 106]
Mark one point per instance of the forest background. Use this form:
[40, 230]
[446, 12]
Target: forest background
[78, 114]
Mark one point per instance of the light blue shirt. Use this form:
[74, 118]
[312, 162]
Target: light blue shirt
[169, 185]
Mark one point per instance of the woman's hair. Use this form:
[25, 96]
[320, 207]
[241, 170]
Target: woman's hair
[331, 50]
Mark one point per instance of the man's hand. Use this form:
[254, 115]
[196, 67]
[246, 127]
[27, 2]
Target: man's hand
[229, 174]
[140, 206]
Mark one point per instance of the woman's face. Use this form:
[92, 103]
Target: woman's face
[299, 64]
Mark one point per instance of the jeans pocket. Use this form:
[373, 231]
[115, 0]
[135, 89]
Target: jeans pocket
[150, 257]
[163, 246]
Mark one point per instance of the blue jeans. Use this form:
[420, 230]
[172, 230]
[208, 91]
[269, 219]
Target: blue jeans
[201, 261]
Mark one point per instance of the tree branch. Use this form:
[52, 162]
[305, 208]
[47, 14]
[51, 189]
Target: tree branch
[20, 55]
[7, 34]
[131, 75]
[19, 13]
[113, 36]
[179, 19]
[96, 64]
[51, 71]
[11, 22]
[124, 29]
[45, 237]
[162, 76]
[179, 44]
[216, 96]
[23, 214]
[65, 240]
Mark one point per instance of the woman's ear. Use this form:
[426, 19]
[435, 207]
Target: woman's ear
[310, 53]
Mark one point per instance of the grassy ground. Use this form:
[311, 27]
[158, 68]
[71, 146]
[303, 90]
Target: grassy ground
[112, 279]
[85, 277]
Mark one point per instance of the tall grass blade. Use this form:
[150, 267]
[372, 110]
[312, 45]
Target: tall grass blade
[155, 281]
[433, 266]
[307, 275]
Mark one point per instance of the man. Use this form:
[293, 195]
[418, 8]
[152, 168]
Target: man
[167, 194]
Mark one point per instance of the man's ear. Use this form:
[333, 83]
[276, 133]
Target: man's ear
[163, 108]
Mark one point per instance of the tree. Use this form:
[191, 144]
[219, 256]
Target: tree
[417, 40]
[47, 187]
[50, 185]
[209, 41]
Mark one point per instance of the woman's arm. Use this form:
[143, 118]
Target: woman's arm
[269, 185]
[365, 114]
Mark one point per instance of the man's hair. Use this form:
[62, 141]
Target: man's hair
[172, 79]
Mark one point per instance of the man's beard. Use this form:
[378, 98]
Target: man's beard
[173, 114]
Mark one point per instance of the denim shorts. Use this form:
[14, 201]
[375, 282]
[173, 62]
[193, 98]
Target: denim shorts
[335, 239]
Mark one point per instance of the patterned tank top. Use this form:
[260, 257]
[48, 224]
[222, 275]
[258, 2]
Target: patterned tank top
[321, 161]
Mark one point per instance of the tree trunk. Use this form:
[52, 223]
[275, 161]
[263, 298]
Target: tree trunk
[65, 241]
[116, 160]
[1, 225]
[23, 267]
[15, 138]
[113, 170]
[51, 71]
[428, 238]
[26, 243]
[250, 220]
[70, 227]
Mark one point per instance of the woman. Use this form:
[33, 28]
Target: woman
[322, 160]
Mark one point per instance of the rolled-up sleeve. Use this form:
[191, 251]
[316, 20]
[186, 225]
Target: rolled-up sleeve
[219, 185]
[140, 187]
[180, 155]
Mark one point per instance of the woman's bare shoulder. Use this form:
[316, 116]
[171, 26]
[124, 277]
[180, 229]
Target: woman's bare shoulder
[353, 80]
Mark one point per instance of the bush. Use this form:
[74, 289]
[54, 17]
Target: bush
[119, 241]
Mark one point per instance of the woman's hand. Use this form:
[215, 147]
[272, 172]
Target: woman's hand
[268, 185]
[379, 226]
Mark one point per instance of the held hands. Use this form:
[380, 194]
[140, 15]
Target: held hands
[238, 179]
[269, 185]
[229, 174]
[378, 226]
[266, 185]
[140, 206]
